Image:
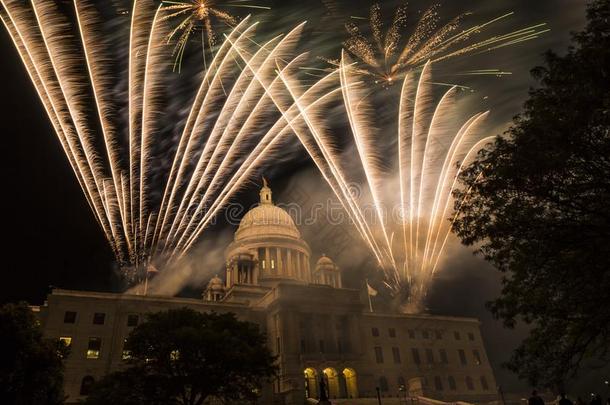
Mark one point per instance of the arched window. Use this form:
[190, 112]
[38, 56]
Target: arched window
[86, 385]
[383, 384]
[351, 382]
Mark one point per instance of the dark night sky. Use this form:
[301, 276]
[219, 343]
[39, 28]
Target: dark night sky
[51, 237]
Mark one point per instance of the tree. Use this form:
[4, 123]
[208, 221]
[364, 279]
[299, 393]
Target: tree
[31, 368]
[185, 357]
[536, 204]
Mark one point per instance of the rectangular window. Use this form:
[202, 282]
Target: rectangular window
[470, 336]
[415, 354]
[438, 384]
[94, 347]
[132, 320]
[429, 356]
[484, 383]
[462, 357]
[456, 334]
[262, 257]
[378, 354]
[392, 332]
[375, 332]
[452, 386]
[443, 354]
[477, 357]
[396, 355]
[411, 334]
[66, 340]
[69, 317]
[98, 318]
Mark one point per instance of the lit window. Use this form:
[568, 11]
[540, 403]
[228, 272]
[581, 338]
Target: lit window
[378, 354]
[98, 318]
[69, 317]
[132, 320]
[93, 348]
[66, 340]
[174, 355]
[272, 263]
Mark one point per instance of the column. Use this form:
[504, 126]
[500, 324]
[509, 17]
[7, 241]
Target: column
[267, 269]
[280, 265]
[289, 267]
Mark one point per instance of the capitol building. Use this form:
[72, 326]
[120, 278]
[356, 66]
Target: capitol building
[318, 329]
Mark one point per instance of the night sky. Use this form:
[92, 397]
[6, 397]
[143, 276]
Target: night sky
[52, 239]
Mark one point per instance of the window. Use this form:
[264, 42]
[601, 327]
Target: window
[378, 354]
[452, 386]
[392, 332]
[425, 334]
[477, 357]
[70, 317]
[484, 383]
[93, 348]
[456, 335]
[86, 384]
[383, 384]
[132, 320]
[469, 383]
[375, 332]
[429, 356]
[443, 354]
[438, 334]
[411, 334]
[438, 384]
[66, 340]
[415, 354]
[462, 357]
[470, 336]
[98, 318]
[396, 355]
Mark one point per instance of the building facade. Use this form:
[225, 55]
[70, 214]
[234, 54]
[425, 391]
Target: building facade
[318, 329]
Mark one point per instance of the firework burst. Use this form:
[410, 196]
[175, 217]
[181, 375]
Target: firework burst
[198, 17]
[387, 55]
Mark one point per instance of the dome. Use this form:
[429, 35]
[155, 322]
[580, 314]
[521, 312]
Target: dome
[266, 219]
[325, 262]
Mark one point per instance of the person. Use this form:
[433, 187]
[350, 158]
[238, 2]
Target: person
[535, 399]
[563, 400]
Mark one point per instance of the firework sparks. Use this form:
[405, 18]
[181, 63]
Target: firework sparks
[387, 56]
[198, 16]
[237, 118]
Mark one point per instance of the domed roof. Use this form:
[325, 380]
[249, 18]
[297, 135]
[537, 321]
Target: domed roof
[325, 260]
[266, 220]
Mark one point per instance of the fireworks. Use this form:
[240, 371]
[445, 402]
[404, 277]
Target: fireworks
[237, 118]
[388, 56]
[197, 16]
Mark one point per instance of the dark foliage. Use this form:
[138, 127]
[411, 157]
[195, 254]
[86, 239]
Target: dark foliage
[186, 357]
[31, 368]
[540, 212]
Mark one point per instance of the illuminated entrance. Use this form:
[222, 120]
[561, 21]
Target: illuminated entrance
[311, 383]
[332, 382]
[351, 383]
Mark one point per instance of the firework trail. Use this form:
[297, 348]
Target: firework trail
[238, 117]
[433, 145]
[386, 56]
